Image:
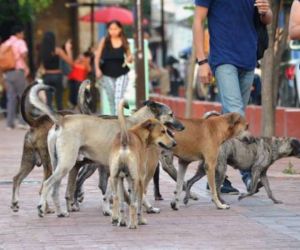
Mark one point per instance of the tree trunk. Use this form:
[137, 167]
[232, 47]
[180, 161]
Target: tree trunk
[268, 107]
[190, 83]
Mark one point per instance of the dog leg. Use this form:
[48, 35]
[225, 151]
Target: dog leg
[121, 189]
[103, 177]
[265, 182]
[71, 203]
[56, 201]
[133, 188]
[27, 165]
[211, 165]
[254, 182]
[106, 199]
[115, 206]
[140, 193]
[182, 167]
[199, 174]
[157, 194]
[84, 174]
[166, 160]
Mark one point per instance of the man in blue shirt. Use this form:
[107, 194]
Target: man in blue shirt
[233, 44]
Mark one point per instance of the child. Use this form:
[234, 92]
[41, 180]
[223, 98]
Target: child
[79, 72]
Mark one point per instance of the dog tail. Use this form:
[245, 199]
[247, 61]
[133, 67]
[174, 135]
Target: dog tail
[26, 113]
[36, 102]
[84, 97]
[121, 118]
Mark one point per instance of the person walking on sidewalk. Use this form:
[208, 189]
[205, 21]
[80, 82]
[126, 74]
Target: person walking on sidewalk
[233, 48]
[111, 58]
[294, 28]
[15, 79]
[50, 59]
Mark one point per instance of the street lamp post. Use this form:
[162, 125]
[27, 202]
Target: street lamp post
[139, 54]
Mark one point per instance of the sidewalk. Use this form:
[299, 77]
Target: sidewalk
[253, 223]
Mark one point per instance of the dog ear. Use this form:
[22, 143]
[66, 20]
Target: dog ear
[154, 106]
[148, 124]
[233, 119]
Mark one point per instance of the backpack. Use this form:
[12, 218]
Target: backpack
[7, 58]
[262, 35]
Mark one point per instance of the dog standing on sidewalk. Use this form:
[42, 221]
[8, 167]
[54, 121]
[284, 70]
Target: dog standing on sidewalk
[128, 159]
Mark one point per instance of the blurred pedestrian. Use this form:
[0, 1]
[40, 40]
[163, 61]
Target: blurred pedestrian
[157, 73]
[15, 79]
[233, 51]
[50, 60]
[294, 28]
[79, 72]
[111, 59]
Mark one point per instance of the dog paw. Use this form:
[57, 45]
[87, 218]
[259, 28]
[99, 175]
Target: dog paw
[194, 197]
[80, 197]
[114, 221]
[63, 215]
[132, 226]
[40, 211]
[223, 206]
[122, 224]
[106, 213]
[50, 210]
[174, 205]
[277, 202]
[142, 221]
[185, 200]
[153, 210]
[159, 198]
[242, 196]
[15, 206]
[75, 207]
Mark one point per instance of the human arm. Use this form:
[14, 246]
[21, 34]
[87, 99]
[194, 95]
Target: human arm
[294, 26]
[205, 73]
[65, 55]
[264, 10]
[98, 54]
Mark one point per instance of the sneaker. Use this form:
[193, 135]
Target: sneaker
[227, 188]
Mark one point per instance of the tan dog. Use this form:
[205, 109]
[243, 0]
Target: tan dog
[128, 159]
[201, 140]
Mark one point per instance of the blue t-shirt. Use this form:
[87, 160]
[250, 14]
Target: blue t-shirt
[233, 38]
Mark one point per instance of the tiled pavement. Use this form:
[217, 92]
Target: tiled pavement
[254, 223]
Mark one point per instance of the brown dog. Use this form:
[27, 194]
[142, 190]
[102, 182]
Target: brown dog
[201, 140]
[128, 159]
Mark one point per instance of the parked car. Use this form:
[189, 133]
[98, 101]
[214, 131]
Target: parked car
[289, 90]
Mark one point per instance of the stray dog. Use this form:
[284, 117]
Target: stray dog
[90, 137]
[201, 140]
[35, 150]
[256, 156]
[128, 159]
